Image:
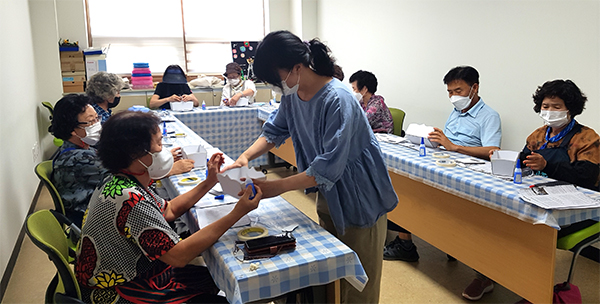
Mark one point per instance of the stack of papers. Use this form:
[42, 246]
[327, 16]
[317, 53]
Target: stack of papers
[390, 138]
[557, 197]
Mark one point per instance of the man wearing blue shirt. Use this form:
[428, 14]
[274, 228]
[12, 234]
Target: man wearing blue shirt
[474, 129]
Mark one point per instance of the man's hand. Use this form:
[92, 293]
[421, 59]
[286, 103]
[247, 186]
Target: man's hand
[535, 161]
[439, 137]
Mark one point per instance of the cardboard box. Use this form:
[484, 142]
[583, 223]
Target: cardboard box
[71, 56]
[504, 162]
[73, 66]
[73, 87]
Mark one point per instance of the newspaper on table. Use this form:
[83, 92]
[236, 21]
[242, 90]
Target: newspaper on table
[557, 197]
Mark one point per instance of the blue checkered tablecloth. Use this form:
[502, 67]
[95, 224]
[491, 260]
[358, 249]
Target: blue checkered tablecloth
[233, 130]
[319, 257]
[482, 188]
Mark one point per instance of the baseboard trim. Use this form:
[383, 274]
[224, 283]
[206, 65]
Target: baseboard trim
[17, 249]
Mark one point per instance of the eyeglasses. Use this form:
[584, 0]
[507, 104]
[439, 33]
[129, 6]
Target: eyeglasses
[91, 122]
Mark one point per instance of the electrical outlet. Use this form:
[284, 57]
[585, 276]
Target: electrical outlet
[35, 151]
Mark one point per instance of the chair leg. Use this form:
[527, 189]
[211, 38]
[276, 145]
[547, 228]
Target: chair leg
[576, 254]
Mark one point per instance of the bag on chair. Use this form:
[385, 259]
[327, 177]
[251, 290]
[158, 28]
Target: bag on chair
[565, 293]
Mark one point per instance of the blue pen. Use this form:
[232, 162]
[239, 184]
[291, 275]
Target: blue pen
[220, 197]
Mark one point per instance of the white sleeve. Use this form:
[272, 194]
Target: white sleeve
[225, 94]
[250, 85]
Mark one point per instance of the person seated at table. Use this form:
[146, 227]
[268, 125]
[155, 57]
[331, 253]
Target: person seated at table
[473, 128]
[237, 91]
[128, 251]
[173, 88]
[364, 85]
[562, 149]
[76, 169]
[105, 90]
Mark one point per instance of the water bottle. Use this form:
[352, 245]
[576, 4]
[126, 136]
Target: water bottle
[203, 105]
[518, 175]
[422, 150]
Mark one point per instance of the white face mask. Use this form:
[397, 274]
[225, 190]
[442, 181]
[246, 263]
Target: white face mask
[92, 134]
[555, 119]
[287, 90]
[162, 163]
[461, 102]
[234, 81]
[358, 96]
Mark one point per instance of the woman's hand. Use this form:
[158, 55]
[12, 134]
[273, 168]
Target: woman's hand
[242, 161]
[246, 205]
[174, 98]
[439, 137]
[186, 98]
[182, 166]
[269, 188]
[234, 99]
[535, 161]
[213, 165]
[176, 152]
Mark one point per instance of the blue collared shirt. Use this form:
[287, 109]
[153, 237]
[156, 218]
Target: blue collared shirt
[334, 143]
[104, 114]
[478, 127]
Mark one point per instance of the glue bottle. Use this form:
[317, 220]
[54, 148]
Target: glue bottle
[203, 105]
[518, 175]
[164, 133]
[422, 150]
[249, 182]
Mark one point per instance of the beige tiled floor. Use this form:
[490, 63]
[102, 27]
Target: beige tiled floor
[431, 280]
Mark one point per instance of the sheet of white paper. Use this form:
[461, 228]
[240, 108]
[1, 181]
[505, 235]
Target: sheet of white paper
[557, 197]
[210, 214]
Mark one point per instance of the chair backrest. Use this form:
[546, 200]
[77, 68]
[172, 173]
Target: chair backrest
[589, 233]
[44, 170]
[398, 117]
[47, 233]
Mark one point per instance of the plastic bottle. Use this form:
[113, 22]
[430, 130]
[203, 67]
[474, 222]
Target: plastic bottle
[203, 105]
[249, 182]
[164, 133]
[422, 150]
[518, 175]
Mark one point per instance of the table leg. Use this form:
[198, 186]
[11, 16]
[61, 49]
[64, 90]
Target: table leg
[333, 292]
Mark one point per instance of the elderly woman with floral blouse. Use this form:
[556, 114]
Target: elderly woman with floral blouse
[364, 85]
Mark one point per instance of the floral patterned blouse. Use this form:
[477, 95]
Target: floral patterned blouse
[378, 114]
[124, 232]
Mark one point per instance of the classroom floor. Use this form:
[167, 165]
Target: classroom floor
[431, 280]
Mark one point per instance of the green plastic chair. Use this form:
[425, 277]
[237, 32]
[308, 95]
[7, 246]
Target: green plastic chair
[577, 241]
[44, 170]
[398, 117]
[57, 141]
[46, 232]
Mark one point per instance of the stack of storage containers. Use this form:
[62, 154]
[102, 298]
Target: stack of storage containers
[141, 78]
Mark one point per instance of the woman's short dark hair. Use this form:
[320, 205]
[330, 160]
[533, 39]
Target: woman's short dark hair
[283, 50]
[126, 136]
[365, 79]
[566, 90]
[465, 73]
[65, 116]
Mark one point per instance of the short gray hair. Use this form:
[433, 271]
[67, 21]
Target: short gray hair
[104, 86]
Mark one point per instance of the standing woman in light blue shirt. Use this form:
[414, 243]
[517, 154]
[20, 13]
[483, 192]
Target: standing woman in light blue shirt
[336, 151]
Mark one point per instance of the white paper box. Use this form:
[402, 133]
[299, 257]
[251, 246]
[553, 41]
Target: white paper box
[415, 132]
[182, 106]
[230, 179]
[504, 162]
[196, 153]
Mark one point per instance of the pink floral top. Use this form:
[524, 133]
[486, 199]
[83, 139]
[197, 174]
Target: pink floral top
[378, 114]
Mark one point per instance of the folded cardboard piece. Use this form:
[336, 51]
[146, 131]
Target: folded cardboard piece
[182, 106]
[230, 179]
[415, 132]
[504, 162]
[196, 153]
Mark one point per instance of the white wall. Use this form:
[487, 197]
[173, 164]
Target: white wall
[19, 99]
[72, 21]
[515, 45]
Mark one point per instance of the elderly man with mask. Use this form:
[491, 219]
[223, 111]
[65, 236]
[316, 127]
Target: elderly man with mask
[105, 90]
[473, 128]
